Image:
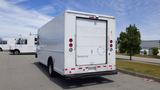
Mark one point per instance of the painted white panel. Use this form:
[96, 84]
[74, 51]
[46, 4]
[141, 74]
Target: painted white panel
[91, 42]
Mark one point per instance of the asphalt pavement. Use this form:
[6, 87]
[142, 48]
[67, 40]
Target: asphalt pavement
[23, 72]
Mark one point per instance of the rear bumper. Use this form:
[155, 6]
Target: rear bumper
[92, 74]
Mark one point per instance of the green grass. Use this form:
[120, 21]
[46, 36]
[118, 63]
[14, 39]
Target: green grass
[137, 67]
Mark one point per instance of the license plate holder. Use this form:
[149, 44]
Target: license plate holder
[91, 68]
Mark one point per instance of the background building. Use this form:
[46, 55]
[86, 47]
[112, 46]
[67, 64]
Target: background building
[148, 45]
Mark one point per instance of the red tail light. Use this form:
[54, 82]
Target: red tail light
[111, 45]
[111, 41]
[70, 40]
[70, 45]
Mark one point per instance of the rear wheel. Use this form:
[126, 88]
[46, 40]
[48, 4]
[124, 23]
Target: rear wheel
[1, 49]
[16, 52]
[51, 69]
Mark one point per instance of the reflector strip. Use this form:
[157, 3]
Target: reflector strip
[98, 66]
[72, 68]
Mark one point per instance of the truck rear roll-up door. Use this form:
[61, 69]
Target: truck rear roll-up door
[91, 41]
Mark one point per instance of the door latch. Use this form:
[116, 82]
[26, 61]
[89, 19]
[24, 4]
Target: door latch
[91, 51]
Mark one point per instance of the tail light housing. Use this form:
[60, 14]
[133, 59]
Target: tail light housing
[70, 44]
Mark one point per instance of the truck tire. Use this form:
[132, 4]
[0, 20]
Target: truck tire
[16, 52]
[51, 68]
[1, 49]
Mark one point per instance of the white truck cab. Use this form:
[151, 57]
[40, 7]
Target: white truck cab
[24, 44]
[6, 43]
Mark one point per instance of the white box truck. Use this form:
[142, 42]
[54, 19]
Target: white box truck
[76, 44]
[24, 44]
[6, 43]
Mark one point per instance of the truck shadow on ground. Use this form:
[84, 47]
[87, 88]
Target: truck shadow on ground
[23, 54]
[73, 83]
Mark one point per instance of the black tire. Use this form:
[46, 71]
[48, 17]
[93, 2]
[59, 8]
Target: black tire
[16, 52]
[51, 68]
[36, 55]
[1, 49]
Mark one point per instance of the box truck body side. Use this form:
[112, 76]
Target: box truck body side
[79, 44]
[51, 43]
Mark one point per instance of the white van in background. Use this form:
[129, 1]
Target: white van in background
[77, 44]
[6, 43]
[24, 44]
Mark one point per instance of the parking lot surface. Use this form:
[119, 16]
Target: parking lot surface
[23, 72]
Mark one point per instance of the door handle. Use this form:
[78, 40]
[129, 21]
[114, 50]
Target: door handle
[91, 51]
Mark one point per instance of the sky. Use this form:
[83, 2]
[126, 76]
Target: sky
[26, 16]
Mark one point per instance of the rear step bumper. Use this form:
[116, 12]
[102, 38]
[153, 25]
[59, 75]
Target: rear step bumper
[92, 74]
